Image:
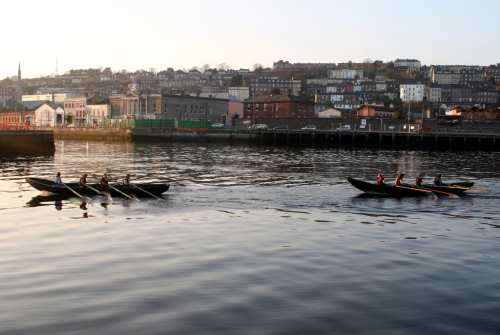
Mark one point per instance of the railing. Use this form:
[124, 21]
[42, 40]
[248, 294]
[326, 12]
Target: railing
[15, 125]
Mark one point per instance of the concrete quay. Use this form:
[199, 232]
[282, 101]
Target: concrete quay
[26, 142]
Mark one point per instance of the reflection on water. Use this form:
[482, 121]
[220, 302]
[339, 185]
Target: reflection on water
[248, 240]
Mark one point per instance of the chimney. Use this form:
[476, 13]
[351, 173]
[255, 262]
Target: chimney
[289, 91]
[210, 96]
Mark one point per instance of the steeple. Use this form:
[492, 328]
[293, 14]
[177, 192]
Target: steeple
[19, 87]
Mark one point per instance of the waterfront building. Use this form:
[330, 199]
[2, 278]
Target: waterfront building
[167, 106]
[96, 113]
[375, 111]
[279, 106]
[49, 114]
[75, 110]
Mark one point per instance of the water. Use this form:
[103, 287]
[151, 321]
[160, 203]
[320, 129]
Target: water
[249, 240]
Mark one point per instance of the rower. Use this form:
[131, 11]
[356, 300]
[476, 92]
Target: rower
[83, 181]
[380, 179]
[126, 181]
[438, 181]
[58, 180]
[399, 180]
[104, 181]
[418, 180]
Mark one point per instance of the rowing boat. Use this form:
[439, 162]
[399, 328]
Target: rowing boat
[409, 190]
[50, 186]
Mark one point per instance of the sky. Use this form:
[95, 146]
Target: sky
[158, 34]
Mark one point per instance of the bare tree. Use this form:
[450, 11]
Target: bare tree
[205, 67]
[223, 66]
[152, 70]
[257, 65]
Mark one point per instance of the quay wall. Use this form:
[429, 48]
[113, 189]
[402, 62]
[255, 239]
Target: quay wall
[27, 142]
[452, 140]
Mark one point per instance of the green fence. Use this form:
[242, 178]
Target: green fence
[195, 125]
[136, 123]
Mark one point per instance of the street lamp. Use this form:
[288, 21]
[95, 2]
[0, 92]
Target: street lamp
[253, 113]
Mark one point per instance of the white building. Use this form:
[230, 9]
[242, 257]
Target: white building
[48, 96]
[240, 92]
[97, 113]
[49, 115]
[346, 74]
[330, 113]
[411, 91]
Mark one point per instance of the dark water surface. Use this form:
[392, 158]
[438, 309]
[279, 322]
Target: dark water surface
[249, 240]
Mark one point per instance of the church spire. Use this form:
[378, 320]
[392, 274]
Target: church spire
[19, 88]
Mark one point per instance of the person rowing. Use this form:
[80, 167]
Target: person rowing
[399, 180]
[126, 181]
[438, 181]
[58, 180]
[83, 181]
[380, 179]
[418, 180]
[104, 181]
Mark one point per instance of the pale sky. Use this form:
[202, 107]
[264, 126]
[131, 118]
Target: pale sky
[158, 34]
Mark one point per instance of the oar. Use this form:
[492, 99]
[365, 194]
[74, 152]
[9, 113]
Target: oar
[417, 189]
[470, 188]
[117, 190]
[72, 190]
[151, 194]
[93, 189]
[433, 190]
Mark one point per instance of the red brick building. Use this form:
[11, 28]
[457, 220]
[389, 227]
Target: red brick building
[279, 106]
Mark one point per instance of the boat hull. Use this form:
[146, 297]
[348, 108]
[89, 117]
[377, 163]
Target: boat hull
[50, 186]
[408, 190]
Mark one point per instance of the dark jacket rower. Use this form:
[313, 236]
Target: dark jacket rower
[104, 181]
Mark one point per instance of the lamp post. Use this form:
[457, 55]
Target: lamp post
[253, 113]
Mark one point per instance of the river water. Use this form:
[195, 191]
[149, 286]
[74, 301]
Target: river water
[249, 240]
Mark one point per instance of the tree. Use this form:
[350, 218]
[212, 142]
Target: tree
[223, 66]
[237, 80]
[205, 67]
[491, 81]
[397, 115]
[152, 70]
[275, 91]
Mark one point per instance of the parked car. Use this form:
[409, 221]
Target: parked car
[280, 127]
[310, 127]
[217, 125]
[424, 129]
[346, 128]
[261, 126]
